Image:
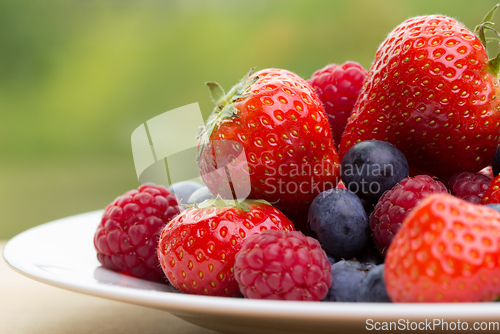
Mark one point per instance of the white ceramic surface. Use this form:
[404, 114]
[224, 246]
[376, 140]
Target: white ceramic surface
[61, 253]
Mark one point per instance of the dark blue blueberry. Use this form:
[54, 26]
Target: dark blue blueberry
[200, 195]
[372, 287]
[494, 206]
[370, 255]
[346, 277]
[369, 207]
[184, 189]
[495, 165]
[339, 222]
[372, 167]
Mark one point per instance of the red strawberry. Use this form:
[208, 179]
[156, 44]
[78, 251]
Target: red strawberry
[431, 92]
[447, 250]
[341, 185]
[492, 194]
[338, 87]
[277, 120]
[197, 248]
[487, 171]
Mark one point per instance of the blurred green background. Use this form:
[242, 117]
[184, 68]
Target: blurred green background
[77, 77]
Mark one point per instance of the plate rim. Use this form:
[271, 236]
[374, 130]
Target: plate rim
[270, 309]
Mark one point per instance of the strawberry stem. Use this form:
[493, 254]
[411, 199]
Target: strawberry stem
[224, 106]
[479, 31]
[226, 203]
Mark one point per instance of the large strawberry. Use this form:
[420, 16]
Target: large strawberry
[432, 92]
[492, 194]
[276, 119]
[446, 250]
[197, 249]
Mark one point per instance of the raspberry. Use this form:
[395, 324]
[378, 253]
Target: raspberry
[126, 240]
[395, 204]
[338, 87]
[469, 186]
[283, 265]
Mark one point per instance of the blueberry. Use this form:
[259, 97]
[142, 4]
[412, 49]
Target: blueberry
[495, 165]
[370, 256]
[494, 206]
[184, 189]
[200, 195]
[372, 167]
[338, 220]
[372, 287]
[346, 277]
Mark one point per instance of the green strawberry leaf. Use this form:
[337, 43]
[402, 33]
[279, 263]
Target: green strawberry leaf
[218, 202]
[243, 206]
[485, 24]
[216, 91]
[490, 14]
[227, 112]
[494, 65]
[224, 110]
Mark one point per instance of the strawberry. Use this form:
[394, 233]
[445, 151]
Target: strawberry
[447, 250]
[275, 118]
[487, 171]
[197, 249]
[431, 92]
[492, 194]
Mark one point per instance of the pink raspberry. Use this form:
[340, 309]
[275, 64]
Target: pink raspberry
[126, 240]
[338, 87]
[396, 203]
[282, 265]
[469, 186]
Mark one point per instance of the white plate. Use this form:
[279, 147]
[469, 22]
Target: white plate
[61, 253]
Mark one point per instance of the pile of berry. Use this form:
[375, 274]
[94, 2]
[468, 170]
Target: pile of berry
[373, 186]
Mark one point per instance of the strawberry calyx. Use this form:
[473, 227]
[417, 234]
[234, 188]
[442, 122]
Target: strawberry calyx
[219, 202]
[224, 110]
[479, 31]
